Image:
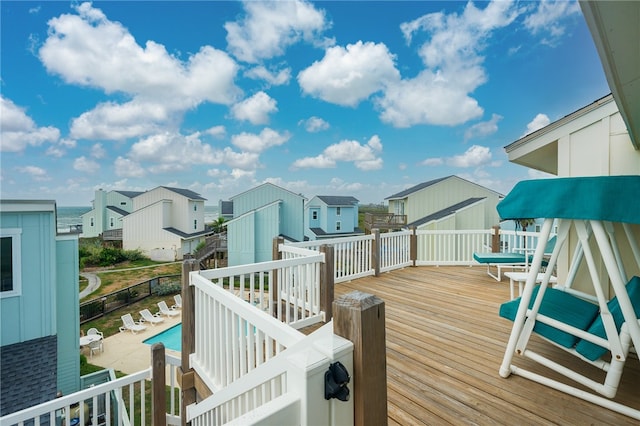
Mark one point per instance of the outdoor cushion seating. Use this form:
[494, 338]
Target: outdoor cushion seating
[147, 316]
[178, 300]
[511, 260]
[165, 310]
[130, 324]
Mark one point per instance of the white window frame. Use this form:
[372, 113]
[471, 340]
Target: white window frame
[314, 214]
[111, 222]
[338, 225]
[16, 244]
[338, 211]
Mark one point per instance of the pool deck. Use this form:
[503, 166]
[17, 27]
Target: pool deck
[126, 351]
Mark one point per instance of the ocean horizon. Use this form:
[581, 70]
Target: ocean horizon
[68, 216]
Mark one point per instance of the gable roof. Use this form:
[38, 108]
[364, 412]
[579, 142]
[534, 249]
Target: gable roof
[185, 193]
[118, 210]
[447, 211]
[418, 187]
[337, 200]
[269, 184]
[129, 194]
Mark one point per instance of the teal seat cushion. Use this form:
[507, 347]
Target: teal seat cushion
[591, 351]
[560, 306]
[499, 257]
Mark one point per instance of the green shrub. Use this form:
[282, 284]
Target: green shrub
[169, 288]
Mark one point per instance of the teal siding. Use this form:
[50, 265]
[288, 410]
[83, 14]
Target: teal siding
[241, 241]
[32, 314]
[267, 221]
[67, 307]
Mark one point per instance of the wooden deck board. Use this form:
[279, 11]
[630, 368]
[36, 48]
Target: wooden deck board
[445, 343]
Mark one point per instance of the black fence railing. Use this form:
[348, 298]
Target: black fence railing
[95, 308]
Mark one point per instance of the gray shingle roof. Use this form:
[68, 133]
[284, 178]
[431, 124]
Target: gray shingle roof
[185, 235]
[130, 194]
[446, 211]
[337, 200]
[418, 187]
[186, 193]
[118, 210]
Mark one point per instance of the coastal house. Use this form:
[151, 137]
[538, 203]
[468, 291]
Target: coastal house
[259, 215]
[39, 318]
[447, 203]
[108, 209]
[330, 216]
[165, 223]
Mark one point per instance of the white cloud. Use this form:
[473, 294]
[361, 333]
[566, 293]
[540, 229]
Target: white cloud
[434, 161]
[85, 165]
[483, 129]
[548, 17]
[255, 109]
[257, 143]
[538, 122]
[269, 27]
[346, 76]
[18, 130]
[87, 49]
[473, 157]
[36, 173]
[127, 168]
[218, 132]
[97, 151]
[440, 94]
[364, 156]
[274, 78]
[315, 124]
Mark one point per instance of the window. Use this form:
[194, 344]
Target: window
[91, 222]
[195, 224]
[123, 203]
[10, 278]
[337, 211]
[195, 207]
[314, 215]
[338, 225]
[111, 222]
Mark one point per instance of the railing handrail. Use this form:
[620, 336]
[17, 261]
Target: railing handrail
[258, 267]
[330, 241]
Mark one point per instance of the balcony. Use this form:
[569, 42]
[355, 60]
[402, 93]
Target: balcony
[384, 221]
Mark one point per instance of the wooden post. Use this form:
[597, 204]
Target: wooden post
[413, 246]
[158, 392]
[188, 336]
[327, 282]
[273, 287]
[360, 318]
[495, 239]
[375, 255]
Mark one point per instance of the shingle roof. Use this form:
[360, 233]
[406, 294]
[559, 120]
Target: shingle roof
[337, 200]
[322, 232]
[446, 211]
[418, 187]
[185, 235]
[226, 207]
[130, 194]
[186, 193]
[118, 210]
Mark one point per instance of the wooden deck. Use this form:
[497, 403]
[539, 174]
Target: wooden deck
[445, 343]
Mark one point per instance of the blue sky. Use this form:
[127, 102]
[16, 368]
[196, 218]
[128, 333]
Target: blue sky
[327, 98]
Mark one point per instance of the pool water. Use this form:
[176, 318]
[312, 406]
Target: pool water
[171, 338]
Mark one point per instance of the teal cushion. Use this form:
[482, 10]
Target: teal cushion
[560, 306]
[499, 257]
[592, 351]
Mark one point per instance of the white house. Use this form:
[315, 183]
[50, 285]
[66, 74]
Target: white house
[165, 224]
[108, 209]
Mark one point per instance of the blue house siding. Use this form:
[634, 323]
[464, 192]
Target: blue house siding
[241, 247]
[326, 225]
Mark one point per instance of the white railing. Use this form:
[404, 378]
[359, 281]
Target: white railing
[351, 255]
[118, 402]
[286, 389]
[518, 241]
[394, 250]
[437, 248]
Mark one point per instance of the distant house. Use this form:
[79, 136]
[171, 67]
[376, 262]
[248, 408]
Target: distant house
[39, 306]
[108, 210]
[225, 209]
[165, 223]
[259, 215]
[329, 216]
[447, 203]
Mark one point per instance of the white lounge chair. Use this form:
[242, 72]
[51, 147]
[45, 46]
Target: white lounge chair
[131, 324]
[178, 299]
[167, 311]
[147, 316]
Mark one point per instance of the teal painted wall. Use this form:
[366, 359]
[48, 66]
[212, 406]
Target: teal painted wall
[241, 240]
[67, 308]
[267, 221]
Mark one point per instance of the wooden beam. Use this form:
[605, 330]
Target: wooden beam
[158, 385]
[188, 331]
[327, 282]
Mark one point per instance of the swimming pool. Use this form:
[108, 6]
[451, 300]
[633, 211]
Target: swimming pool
[171, 338]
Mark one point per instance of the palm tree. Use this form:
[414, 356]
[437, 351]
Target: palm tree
[217, 224]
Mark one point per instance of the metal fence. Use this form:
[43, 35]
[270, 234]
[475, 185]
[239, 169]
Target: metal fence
[95, 308]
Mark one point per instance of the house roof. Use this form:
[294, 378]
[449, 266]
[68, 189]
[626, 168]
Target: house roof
[118, 210]
[226, 207]
[187, 236]
[129, 194]
[336, 200]
[185, 193]
[418, 187]
[270, 184]
[446, 211]
[321, 232]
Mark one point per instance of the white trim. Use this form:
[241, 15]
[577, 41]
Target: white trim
[16, 260]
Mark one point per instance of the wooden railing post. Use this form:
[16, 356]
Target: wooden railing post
[375, 255]
[158, 384]
[495, 239]
[187, 380]
[276, 255]
[327, 282]
[360, 318]
[413, 246]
